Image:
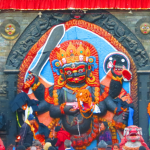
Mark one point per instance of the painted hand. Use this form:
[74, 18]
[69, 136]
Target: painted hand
[30, 80]
[70, 111]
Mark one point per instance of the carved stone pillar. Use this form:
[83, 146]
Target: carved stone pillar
[144, 99]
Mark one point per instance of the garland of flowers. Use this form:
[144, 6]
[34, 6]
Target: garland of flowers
[76, 89]
[18, 119]
[81, 111]
[84, 96]
[89, 100]
[51, 126]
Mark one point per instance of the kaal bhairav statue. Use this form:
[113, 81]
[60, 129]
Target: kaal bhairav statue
[78, 101]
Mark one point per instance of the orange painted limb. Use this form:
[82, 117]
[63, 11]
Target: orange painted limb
[107, 79]
[109, 116]
[45, 118]
[44, 83]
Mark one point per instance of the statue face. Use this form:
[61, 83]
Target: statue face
[10, 29]
[145, 28]
[121, 62]
[75, 72]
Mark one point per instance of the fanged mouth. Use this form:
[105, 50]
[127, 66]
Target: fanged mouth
[76, 79]
[133, 134]
[118, 69]
[77, 17]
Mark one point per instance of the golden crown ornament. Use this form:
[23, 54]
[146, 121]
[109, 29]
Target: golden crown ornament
[73, 54]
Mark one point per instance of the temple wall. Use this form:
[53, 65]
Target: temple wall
[130, 21]
[24, 18]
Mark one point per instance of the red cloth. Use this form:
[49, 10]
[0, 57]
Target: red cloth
[2, 147]
[78, 4]
[61, 137]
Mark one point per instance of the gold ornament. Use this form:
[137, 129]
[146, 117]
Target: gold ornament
[60, 81]
[10, 29]
[35, 86]
[9, 37]
[73, 54]
[145, 28]
[55, 96]
[76, 89]
[84, 96]
[119, 79]
[91, 79]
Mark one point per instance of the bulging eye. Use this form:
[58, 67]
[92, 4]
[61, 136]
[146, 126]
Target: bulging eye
[143, 27]
[69, 72]
[147, 27]
[7, 28]
[122, 60]
[80, 70]
[12, 28]
[110, 58]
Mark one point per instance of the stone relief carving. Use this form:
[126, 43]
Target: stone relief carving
[127, 40]
[3, 87]
[102, 18]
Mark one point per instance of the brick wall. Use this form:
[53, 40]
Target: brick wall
[23, 18]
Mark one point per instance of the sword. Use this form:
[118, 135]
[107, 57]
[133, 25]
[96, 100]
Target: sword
[52, 41]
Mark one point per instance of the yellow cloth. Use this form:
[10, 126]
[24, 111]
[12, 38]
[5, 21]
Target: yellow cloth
[47, 145]
[31, 126]
[119, 79]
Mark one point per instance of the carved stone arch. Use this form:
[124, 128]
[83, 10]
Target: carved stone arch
[102, 18]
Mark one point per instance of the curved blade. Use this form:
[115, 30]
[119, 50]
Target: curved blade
[53, 40]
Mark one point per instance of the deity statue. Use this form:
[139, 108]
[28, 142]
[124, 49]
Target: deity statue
[78, 100]
[77, 97]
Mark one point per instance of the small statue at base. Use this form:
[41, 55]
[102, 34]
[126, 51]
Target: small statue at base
[132, 139]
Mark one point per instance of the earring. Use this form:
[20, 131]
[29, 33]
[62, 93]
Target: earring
[91, 79]
[60, 81]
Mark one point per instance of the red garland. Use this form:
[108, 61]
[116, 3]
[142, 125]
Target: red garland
[47, 97]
